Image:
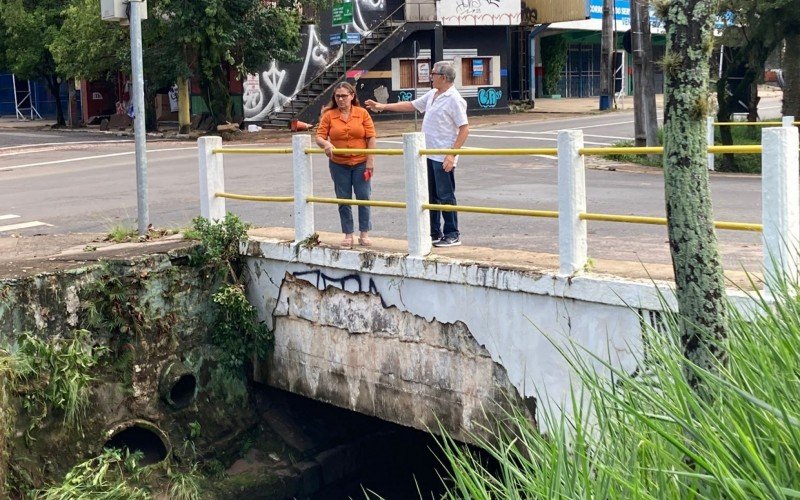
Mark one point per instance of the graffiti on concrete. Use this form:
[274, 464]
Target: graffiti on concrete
[488, 97]
[479, 12]
[354, 281]
[270, 90]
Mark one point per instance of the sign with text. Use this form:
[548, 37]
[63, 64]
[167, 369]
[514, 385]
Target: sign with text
[424, 72]
[342, 13]
[477, 67]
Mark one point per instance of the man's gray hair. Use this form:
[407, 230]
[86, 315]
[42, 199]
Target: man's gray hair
[446, 69]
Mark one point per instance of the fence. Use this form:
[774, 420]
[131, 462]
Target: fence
[780, 192]
[786, 121]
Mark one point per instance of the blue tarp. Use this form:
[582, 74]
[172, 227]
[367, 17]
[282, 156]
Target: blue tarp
[43, 101]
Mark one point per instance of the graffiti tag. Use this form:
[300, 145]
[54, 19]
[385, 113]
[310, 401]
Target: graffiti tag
[405, 96]
[488, 97]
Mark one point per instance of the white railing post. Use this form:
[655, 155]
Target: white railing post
[780, 203]
[212, 178]
[787, 121]
[571, 202]
[303, 188]
[710, 140]
[418, 222]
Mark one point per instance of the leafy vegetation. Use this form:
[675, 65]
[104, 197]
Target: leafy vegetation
[651, 434]
[740, 136]
[235, 331]
[109, 476]
[27, 30]
[554, 61]
[56, 373]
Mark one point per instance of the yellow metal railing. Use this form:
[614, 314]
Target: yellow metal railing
[247, 197]
[751, 124]
[631, 219]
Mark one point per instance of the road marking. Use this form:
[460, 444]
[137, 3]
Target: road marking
[23, 225]
[70, 160]
[8, 216]
[24, 148]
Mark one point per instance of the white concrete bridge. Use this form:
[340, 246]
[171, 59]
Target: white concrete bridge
[413, 338]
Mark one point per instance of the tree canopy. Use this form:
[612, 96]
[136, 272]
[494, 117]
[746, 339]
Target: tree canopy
[28, 27]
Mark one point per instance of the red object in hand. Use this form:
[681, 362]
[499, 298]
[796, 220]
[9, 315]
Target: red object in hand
[367, 175]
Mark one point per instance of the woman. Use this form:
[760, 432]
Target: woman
[345, 124]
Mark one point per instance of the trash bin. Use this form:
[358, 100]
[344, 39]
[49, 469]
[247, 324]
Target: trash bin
[605, 102]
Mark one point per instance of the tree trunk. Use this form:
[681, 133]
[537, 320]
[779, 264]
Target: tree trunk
[54, 87]
[607, 56]
[74, 119]
[651, 116]
[645, 118]
[723, 116]
[699, 281]
[184, 112]
[791, 77]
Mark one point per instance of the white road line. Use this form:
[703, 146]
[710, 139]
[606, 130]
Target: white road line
[65, 143]
[84, 158]
[23, 225]
[551, 139]
[9, 216]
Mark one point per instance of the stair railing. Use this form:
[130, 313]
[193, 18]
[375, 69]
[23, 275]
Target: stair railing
[335, 64]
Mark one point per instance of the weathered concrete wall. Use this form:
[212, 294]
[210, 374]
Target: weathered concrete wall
[156, 328]
[403, 338]
[353, 351]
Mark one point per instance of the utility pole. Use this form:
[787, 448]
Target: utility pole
[138, 120]
[607, 57]
[644, 99]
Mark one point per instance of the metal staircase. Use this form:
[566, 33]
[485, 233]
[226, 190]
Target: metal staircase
[306, 104]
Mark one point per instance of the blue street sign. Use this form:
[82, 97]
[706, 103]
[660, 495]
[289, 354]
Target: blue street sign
[353, 38]
[336, 39]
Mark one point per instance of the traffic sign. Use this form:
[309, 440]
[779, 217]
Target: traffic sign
[342, 13]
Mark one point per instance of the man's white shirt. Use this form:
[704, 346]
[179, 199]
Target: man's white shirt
[444, 115]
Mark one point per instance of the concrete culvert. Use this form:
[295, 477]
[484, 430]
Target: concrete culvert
[141, 437]
[178, 385]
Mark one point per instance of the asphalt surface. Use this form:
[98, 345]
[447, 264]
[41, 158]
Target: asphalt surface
[88, 185]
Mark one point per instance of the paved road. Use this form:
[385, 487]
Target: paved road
[88, 187]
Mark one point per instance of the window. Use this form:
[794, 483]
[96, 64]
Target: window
[476, 71]
[407, 70]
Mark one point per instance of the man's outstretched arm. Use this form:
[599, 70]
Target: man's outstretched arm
[391, 106]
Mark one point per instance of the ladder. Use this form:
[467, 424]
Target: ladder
[23, 103]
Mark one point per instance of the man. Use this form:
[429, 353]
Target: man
[445, 126]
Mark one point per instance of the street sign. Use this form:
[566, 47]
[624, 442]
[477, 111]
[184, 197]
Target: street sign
[342, 13]
[336, 39]
[353, 38]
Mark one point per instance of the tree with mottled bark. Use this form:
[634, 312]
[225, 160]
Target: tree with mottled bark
[700, 288]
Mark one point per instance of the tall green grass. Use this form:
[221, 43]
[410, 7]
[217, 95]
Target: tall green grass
[649, 435]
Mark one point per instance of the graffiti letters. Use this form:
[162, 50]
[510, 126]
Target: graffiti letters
[529, 16]
[405, 96]
[488, 97]
[323, 281]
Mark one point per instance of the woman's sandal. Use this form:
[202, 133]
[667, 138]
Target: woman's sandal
[347, 243]
[364, 242]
